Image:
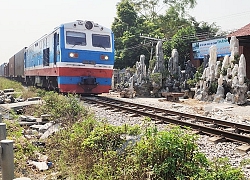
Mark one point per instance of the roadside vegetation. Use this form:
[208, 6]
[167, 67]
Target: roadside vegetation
[85, 148]
[20, 90]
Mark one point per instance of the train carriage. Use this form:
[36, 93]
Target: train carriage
[19, 65]
[77, 57]
[2, 69]
[12, 67]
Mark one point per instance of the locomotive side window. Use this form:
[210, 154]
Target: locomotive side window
[102, 41]
[75, 38]
[46, 57]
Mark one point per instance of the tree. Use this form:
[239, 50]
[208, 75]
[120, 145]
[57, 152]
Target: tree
[203, 29]
[137, 17]
[182, 41]
[127, 35]
[171, 22]
[151, 8]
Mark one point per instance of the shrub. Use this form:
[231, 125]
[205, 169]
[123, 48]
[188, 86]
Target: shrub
[8, 84]
[24, 150]
[169, 155]
[66, 109]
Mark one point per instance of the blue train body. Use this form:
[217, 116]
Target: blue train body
[76, 57]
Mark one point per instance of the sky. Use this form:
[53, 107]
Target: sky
[24, 21]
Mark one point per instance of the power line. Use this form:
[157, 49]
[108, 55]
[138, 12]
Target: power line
[200, 36]
[230, 16]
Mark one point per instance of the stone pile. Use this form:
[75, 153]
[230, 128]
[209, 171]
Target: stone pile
[6, 96]
[37, 130]
[229, 77]
[158, 78]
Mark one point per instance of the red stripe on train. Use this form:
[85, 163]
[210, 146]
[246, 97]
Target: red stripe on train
[66, 71]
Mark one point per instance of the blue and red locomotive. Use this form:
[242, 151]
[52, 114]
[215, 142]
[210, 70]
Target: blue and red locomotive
[76, 57]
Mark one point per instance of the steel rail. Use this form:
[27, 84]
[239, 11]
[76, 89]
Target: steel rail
[205, 129]
[237, 126]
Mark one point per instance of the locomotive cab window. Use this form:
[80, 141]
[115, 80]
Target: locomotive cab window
[102, 41]
[75, 38]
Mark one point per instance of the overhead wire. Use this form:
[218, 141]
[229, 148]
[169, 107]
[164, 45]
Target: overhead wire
[205, 35]
[230, 16]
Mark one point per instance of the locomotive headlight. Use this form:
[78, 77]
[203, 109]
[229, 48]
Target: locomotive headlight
[73, 55]
[104, 57]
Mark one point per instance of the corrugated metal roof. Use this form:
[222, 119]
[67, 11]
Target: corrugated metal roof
[244, 31]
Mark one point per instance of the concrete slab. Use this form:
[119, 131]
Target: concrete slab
[232, 130]
[243, 148]
[34, 99]
[132, 115]
[19, 105]
[216, 139]
[211, 125]
[8, 90]
[45, 116]
[25, 123]
[195, 132]
[36, 126]
[22, 118]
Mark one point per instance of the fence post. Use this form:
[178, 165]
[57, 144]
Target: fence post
[2, 131]
[1, 118]
[7, 159]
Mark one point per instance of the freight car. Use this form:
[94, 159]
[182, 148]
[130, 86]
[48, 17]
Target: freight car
[4, 70]
[76, 57]
[16, 66]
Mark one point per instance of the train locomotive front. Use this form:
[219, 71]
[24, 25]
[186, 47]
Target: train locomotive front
[76, 57]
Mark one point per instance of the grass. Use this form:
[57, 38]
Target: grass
[20, 90]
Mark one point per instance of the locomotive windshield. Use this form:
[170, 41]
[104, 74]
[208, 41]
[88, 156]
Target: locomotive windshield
[99, 40]
[76, 38]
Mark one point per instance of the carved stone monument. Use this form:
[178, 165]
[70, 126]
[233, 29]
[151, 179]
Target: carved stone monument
[231, 75]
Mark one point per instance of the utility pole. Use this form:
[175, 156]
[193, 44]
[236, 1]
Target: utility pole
[153, 40]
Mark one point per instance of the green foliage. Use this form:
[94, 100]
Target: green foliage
[14, 129]
[236, 59]
[245, 162]
[24, 149]
[169, 155]
[213, 87]
[19, 89]
[223, 71]
[221, 169]
[96, 150]
[131, 130]
[151, 64]
[156, 77]
[197, 77]
[90, 149]
[67, 109]
[136, 17]
[103, 138]
[40, 92]
[127, 35]
[126, 13]
[183, 44]
[148, 8]
[191, 82]
[8, 84]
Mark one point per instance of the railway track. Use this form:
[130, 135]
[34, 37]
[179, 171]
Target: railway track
[221, 129]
